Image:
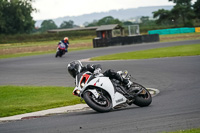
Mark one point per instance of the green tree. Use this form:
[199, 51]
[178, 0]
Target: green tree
[185, 11]
[67, 24]
[182, 2]
[181, 13]
[175, 16]
[108, 20]
[15, 16]
[145, 20]
[196, 7]
[127, 23]
[94, 23]
[166, 17]
[162, 15]
[48, 25]
[105, 21]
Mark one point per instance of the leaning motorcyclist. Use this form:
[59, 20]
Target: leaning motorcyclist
[75, 69]
[65, 41]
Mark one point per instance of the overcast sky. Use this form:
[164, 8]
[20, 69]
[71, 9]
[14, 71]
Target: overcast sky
[50, 9]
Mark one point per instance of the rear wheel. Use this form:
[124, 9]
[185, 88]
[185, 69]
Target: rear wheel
[61, 54]
[100, 104]
[143, 98]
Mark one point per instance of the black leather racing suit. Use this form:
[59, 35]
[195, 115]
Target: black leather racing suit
[108, 73]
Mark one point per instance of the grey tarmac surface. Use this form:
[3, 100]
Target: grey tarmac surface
[176, 107]
[46, 70]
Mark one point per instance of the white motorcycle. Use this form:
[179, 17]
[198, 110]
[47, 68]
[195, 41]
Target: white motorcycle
[103, 94]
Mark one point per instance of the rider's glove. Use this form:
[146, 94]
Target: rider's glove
[129, 84]
[96, 71]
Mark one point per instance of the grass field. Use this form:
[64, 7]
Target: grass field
[39, 48]
[180, 37]
[45, 47]
[21, 54]
[23, 99]
[184, 50]
[43, 43]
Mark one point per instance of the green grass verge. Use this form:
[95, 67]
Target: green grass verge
[183, 50]
[186, 131]
[39, 53]
[76, 43]
[24, 54]
[43, 43]
[24, 99]
[179, 37]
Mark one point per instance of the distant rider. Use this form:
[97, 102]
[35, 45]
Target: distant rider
[65, 41]
[74, 69]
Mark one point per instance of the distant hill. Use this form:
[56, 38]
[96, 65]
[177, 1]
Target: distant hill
[122, 14]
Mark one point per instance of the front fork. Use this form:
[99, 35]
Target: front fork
[94, 92]
[57, 49]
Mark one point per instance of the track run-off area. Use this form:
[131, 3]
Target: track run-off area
[176, 107]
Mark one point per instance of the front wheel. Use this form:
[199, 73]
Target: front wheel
[144, 98]
[57, 54]
[101, 104]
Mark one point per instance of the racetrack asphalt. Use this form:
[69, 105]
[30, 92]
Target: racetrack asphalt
[46, 70]
[177, 107]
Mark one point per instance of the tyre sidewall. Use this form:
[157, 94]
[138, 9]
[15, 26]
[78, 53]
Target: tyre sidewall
[95, 106]
[143, 102]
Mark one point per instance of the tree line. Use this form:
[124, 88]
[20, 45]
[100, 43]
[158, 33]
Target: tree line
[15, 17]
[182, 13]
[50, 24]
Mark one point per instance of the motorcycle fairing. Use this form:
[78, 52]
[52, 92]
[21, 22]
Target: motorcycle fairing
[105, 84]
[62, 46]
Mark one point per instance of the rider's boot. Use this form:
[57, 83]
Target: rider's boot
[126, 85]
[126, 82]
[114, 75]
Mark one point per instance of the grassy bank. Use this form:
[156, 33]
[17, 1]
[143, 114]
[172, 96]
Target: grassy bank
[184, 50]
[10, 50]
[23, 99]
[39, 48]
[40, 52]
[43, 43]
[179, 37]
[73, 35]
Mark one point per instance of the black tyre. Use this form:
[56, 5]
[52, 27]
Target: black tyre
[144, 97]
[57, 54]
[60, 54]
[101, 105]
